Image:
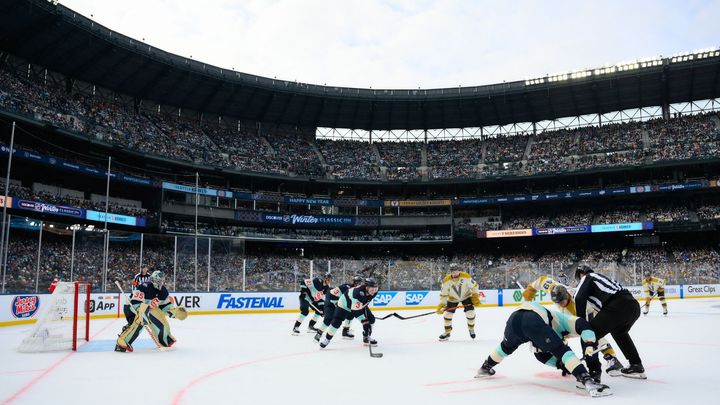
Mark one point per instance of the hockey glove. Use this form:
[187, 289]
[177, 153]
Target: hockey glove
[178, 312]
[440, 309]
[367, 327]
[589, 350]
[529, 293]
[475, 298]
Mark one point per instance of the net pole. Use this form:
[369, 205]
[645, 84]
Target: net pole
[106, 248]
[197, 184]
[75, 314]
[37, 264]
[87, 311]
[3, 245]
[72, 256]
[175, 266]
[7, 246]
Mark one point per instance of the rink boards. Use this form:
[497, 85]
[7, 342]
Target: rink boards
[22, 309]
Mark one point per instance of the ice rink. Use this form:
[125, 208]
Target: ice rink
[253, 359]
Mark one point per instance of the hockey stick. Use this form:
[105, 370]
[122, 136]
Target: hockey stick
[373, 355]
[145, 325]
[403, 318]
[519, 285]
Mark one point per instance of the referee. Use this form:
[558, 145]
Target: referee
[618, 311]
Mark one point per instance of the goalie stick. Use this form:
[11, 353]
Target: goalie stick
[145, 325]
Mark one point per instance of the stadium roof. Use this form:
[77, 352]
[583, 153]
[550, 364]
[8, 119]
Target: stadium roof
[63, 41]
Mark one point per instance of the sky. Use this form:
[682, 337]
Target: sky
[411, 44]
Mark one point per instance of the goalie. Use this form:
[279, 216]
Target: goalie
[151, 303]
[458, 287]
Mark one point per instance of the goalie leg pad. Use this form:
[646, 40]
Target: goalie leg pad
[128, 336]
[159, 327]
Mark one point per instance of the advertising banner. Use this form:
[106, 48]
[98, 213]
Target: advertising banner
[309, 201]
[564, 230]
[77, 167]
[37, 206]
[701, 290]
[416, 203]
[115, 218]
[333, 220]
[16, 309]
[201, 190]
[632, 226]
[509, 233]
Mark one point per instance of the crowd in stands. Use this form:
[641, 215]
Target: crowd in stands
[217, 144]
[222, 269]
[306, 234]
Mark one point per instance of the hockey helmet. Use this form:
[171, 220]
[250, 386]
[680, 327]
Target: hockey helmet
[559, 293]
[371, 282]
[357, 280]
[157, 278]
[582, 269]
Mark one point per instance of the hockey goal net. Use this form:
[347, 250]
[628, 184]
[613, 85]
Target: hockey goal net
[64, 319]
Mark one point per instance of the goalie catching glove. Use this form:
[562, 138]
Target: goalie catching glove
[178, 312]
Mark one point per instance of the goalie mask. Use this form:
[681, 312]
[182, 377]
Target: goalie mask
[157, 278]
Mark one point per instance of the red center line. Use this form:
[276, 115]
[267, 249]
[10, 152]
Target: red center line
[48, 370]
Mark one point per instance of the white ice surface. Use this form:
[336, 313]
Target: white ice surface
[253, 359]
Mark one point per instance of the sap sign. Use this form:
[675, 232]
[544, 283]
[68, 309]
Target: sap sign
[227, 301]
[415, 297]
[383, 298]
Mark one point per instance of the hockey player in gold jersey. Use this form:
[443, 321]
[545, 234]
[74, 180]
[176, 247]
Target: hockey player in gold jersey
[458, 288]
[653, 286]
[566, 304]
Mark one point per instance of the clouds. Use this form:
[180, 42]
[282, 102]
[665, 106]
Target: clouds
[410, 44]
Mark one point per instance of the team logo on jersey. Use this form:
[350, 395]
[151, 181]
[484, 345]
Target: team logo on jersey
[383, 298]
[415, 297]
[25, 306]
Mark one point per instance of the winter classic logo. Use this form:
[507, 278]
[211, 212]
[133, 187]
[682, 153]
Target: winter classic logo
[25, 306]
[415, 297]
[383, 298]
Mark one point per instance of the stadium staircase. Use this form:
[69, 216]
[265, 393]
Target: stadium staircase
[483, 152]
[319, 155]
[424, 163]
[267, 145]
[528, 148]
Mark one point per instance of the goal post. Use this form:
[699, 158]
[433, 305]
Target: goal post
[64, 319]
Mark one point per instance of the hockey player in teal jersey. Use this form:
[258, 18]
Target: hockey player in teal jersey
[354, 303]
[312, 295]
[545, 329]
[331, 299]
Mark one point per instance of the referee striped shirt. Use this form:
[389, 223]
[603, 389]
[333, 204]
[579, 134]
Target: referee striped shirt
[597, 289]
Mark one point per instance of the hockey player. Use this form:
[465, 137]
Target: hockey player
[312, 295]
[354, 303]
[458, 287]
[617, 313]
[331, 299]
[545, 328]
[565, 304]
[152, 304]
[653, 286]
